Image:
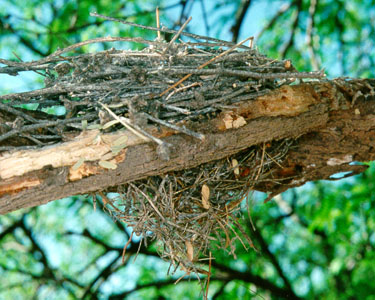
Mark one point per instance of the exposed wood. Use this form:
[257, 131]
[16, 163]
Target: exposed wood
[331, 133]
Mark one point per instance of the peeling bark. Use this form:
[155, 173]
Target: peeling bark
[333, 123]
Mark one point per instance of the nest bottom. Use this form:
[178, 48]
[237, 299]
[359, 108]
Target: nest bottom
[191, 212]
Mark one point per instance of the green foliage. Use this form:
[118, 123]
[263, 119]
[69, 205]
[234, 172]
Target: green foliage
[320, 238]
[342, 37]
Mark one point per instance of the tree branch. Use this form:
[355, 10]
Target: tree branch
[257, 280]
[331, 134]
[240, 16]
[272, 257]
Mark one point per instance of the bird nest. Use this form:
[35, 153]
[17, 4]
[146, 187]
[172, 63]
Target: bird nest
[193, 211]
[172, 85]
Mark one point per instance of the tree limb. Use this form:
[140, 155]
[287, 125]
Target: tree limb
[332, 124]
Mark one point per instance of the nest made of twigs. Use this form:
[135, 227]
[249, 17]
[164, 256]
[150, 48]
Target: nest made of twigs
[166, 84]
[194, 211]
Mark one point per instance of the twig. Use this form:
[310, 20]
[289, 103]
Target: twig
[181, 89]
[248, 74]
[177, 128]
[158, 23]
[176, 108]
[125, 123]
[17, 112]
[126, 246]
[92, 41]
[43, 125]
[176, 35]
[309, 32]
[209, 274]
[195, 36]
[204, 65]
[284, 8]
[288, 44]
[261, 162]
[205, 17]
[240, 15]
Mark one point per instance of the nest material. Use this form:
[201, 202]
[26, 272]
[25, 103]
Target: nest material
[166, 84]
[136, 85]
[194, 211]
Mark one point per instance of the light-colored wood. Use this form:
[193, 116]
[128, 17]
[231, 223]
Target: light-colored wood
[321, 116]
[91, 145]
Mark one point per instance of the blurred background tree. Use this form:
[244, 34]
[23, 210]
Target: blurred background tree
[314, 242]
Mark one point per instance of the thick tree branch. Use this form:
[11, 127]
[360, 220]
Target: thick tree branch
[333, 121]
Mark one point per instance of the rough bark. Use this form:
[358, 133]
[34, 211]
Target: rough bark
[333, 123]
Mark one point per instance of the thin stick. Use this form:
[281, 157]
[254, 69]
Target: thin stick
[209, 275]
[183, 88]
[249, 74]
[225, 52]
[176, 108]
[284, 8]
[126, 246]
[275, 161]
[248, 209]
[158, 23]
[80, 44]
[251, 43]
[153, 206]
[139, 248]
[177, 128]
[194, 36]
[134, 128]
[180, 278]
[204, 65]
[42, 125]
[123, 122]
[106, 201]
[177, 35]
[15, 54]
[261, 162]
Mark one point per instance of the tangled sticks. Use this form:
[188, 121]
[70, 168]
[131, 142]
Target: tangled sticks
[133, 84]
[171, 85]
[191, 212]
